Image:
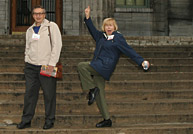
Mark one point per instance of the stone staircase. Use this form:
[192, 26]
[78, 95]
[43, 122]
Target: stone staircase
[159, 101]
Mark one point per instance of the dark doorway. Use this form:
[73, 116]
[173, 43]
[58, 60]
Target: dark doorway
[21, 17]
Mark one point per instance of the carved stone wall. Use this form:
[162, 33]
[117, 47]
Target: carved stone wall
[100, 9]
[4, 17]
[180, 17]
[73, 14]
[71, 17]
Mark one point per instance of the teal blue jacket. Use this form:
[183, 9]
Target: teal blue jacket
[107, 52]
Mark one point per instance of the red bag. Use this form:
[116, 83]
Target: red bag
[59, 70]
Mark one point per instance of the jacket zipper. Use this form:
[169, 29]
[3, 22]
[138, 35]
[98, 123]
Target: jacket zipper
[100, 47]
[98, 52]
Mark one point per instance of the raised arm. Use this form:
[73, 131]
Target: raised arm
[87, 12]
[93, 31]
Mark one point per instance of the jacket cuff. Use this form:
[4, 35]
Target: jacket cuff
[52, 64]
[85, 19]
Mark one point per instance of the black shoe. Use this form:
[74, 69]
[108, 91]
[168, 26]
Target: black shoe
[23, 125]
[104, 123]
[92, 95]
[48, 125]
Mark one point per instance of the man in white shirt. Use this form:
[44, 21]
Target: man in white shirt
[40, 51]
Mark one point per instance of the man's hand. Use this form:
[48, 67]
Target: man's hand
[87, 12]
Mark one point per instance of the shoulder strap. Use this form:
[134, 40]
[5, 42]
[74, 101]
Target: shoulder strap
[50, 35]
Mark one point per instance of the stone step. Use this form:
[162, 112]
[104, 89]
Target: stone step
[90, 46]
[162, 128]
[134, 38]
[131, 68]
[146, 40]
[146, 54]
[118, 120]
[121, 107]
[83, 47]
[21, 41]
[122, 61]
[155, 102]
[89, 54]
[111, 94]
[131, 84]
[153, 40]
[119, 68]
[19, 76]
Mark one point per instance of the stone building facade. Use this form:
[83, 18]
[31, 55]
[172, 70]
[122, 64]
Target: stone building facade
[4, 17]
[159, 18]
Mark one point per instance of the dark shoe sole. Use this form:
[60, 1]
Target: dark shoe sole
[104, 126]
[105, 123]
[48, 127]
[91, 102]
[27, 126]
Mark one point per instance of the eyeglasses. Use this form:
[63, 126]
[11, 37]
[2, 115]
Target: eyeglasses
[38, 14]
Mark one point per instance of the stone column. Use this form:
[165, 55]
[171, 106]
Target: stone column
[71, 17]
[191, 10]
[160, 18]
[4, 17]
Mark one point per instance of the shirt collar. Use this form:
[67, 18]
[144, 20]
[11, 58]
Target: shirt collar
[106, 36]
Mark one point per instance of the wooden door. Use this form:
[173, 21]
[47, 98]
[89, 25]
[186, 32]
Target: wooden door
[21, 17]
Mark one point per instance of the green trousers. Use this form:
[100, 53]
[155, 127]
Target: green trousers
[91, 79]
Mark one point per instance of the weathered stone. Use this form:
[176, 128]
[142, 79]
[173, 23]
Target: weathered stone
[154, 102]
